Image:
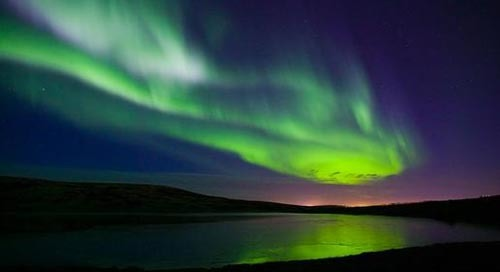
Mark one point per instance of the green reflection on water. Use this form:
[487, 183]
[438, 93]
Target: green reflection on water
[329, 236]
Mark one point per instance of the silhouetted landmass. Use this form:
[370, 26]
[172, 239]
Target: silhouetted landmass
[32, 204]
[468, 256]
[33, 195]
[483, 210]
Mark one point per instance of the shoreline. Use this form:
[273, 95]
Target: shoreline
[463, 256]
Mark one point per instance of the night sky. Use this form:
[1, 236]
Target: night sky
[307, 102]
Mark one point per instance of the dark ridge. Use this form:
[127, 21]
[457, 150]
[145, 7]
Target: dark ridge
[36, 195]
[482, 210]
[28, 205]
[34, 204]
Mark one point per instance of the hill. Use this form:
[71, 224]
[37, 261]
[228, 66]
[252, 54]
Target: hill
[33, 195]
[33, 204]
[482, 210]
[41, 205]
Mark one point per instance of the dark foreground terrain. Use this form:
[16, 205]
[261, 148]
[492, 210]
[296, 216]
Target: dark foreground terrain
[469, 256]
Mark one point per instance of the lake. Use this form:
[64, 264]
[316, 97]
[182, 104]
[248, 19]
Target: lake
[253, 239]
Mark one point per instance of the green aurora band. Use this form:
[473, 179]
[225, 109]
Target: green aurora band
[137, 70]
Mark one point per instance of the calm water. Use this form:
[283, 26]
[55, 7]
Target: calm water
[272, 238]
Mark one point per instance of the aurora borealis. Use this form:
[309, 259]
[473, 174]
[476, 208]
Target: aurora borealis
[290, 117]
[295, 94]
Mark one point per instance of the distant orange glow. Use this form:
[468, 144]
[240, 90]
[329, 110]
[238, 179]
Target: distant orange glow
[359, 200]
[359, 204]
[311, 203]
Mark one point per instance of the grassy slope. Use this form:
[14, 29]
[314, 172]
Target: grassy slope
[29, 195]
[22, 196]
[39, 205]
